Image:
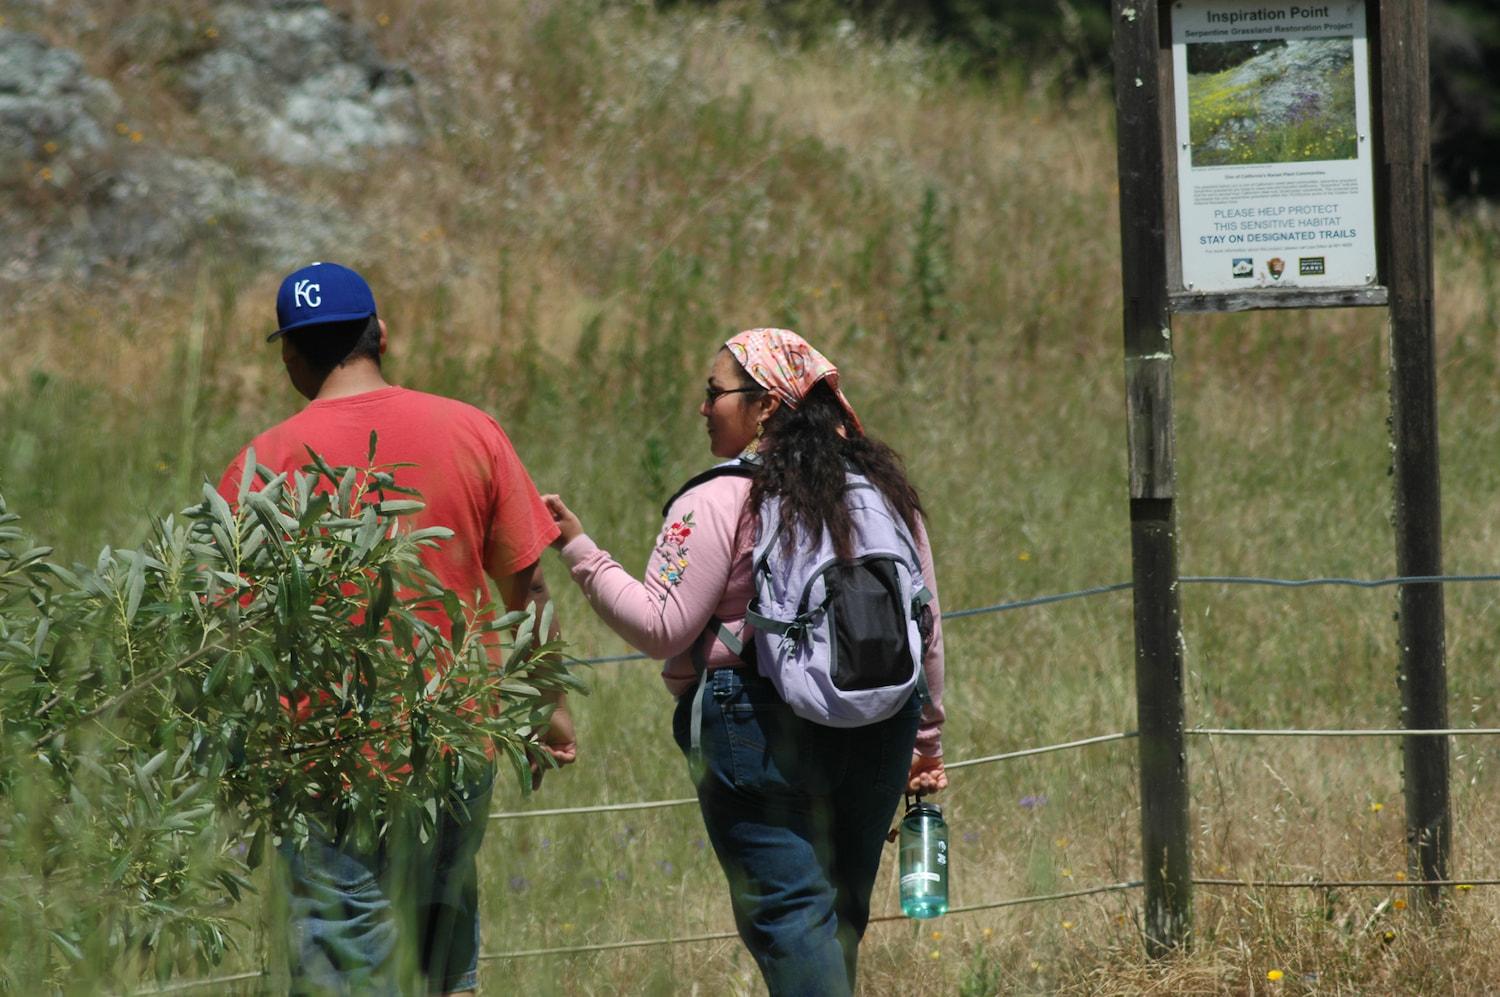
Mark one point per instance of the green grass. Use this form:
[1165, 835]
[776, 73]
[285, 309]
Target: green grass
[636, 188]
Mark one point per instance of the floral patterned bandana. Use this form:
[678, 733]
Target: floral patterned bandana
[786, 365]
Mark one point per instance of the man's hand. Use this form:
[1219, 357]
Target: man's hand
[568, 525]
[559, 740]
[926, 775]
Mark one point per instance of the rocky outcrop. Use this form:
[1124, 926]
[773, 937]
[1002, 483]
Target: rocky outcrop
[82, 198]
[53, 115]
[1290, 80]
[304, 84]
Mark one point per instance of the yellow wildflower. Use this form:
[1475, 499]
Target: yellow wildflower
[1274, 975]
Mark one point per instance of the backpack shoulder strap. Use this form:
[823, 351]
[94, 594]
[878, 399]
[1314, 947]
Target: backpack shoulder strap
[738, 467]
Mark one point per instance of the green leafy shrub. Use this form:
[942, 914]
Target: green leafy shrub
[168, 712]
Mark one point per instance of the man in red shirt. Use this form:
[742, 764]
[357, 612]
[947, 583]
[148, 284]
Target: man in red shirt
[347, 937]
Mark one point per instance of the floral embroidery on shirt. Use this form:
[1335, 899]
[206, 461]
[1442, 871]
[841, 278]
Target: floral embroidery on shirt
[673, 551]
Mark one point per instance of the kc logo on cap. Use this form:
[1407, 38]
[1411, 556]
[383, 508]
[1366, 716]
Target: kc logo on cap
[306, 293]
[321, 294]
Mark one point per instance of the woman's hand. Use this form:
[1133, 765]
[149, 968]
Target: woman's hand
[927, 775]
[566, 522]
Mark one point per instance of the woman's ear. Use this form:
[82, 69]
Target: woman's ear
[769, 404]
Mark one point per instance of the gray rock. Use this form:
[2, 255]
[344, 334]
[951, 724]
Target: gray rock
[106, 204]
[53, 115]
[1287, 78]
[303, 83]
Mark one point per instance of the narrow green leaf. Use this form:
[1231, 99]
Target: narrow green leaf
[136, 586]
[215, 676]
[385, 591]
[519, 688]
[346, 490]
[220, 508]
[247, 475]
[316, 506]
[257, 850]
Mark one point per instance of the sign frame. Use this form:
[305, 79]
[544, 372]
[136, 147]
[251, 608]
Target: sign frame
[1183, 299]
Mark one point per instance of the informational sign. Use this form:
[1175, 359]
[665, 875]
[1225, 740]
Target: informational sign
[1272, 101]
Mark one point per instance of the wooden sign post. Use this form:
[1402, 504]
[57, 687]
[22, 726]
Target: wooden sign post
[1153, 478]
[1422, 674]
[1311, 195]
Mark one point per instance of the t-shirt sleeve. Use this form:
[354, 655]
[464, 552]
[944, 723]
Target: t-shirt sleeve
[519, 527]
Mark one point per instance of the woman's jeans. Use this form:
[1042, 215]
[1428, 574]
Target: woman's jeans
[798, 814]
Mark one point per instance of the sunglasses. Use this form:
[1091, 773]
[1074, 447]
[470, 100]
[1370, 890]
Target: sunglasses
[712, 394]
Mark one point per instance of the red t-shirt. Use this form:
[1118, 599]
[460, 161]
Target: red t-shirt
[464, 466]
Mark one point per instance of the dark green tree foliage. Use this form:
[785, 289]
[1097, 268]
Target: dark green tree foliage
[148, 756]
[1225, 55]
[1466, 96]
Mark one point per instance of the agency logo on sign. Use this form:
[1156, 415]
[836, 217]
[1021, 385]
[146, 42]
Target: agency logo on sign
[1276, 266]
[1311, 266]
[1243, 266]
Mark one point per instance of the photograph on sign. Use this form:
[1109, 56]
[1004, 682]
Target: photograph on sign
[1274, 159]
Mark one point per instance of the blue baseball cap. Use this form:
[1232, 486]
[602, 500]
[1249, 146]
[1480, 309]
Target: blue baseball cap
[321, 293]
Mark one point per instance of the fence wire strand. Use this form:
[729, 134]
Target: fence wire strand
[1319, 884]
[1045, 600]
[1357, 732]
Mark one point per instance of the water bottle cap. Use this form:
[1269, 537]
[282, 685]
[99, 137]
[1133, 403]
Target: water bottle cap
[922, 808]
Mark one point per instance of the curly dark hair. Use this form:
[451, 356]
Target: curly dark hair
[810, 449]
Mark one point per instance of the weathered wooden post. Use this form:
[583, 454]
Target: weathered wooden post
[1414, 432]
[1309, 189]
[1153, 524]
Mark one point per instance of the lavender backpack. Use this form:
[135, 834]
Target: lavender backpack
[840, 638]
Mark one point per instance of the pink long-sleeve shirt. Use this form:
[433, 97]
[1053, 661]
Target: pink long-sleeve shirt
[700, 567]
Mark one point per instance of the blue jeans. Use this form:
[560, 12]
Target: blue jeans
[797, 814]
[374, 922]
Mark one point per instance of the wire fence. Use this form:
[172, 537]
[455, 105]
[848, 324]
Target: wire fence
[1315, 882]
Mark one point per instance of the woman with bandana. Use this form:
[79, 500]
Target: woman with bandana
[797, 812]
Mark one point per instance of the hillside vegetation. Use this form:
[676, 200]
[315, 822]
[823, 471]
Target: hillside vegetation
[606, 191]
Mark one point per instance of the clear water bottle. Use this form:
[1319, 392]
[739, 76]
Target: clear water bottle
[924, 860]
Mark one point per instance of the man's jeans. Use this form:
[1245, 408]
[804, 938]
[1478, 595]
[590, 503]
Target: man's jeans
[378, 923]
[798, 814]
